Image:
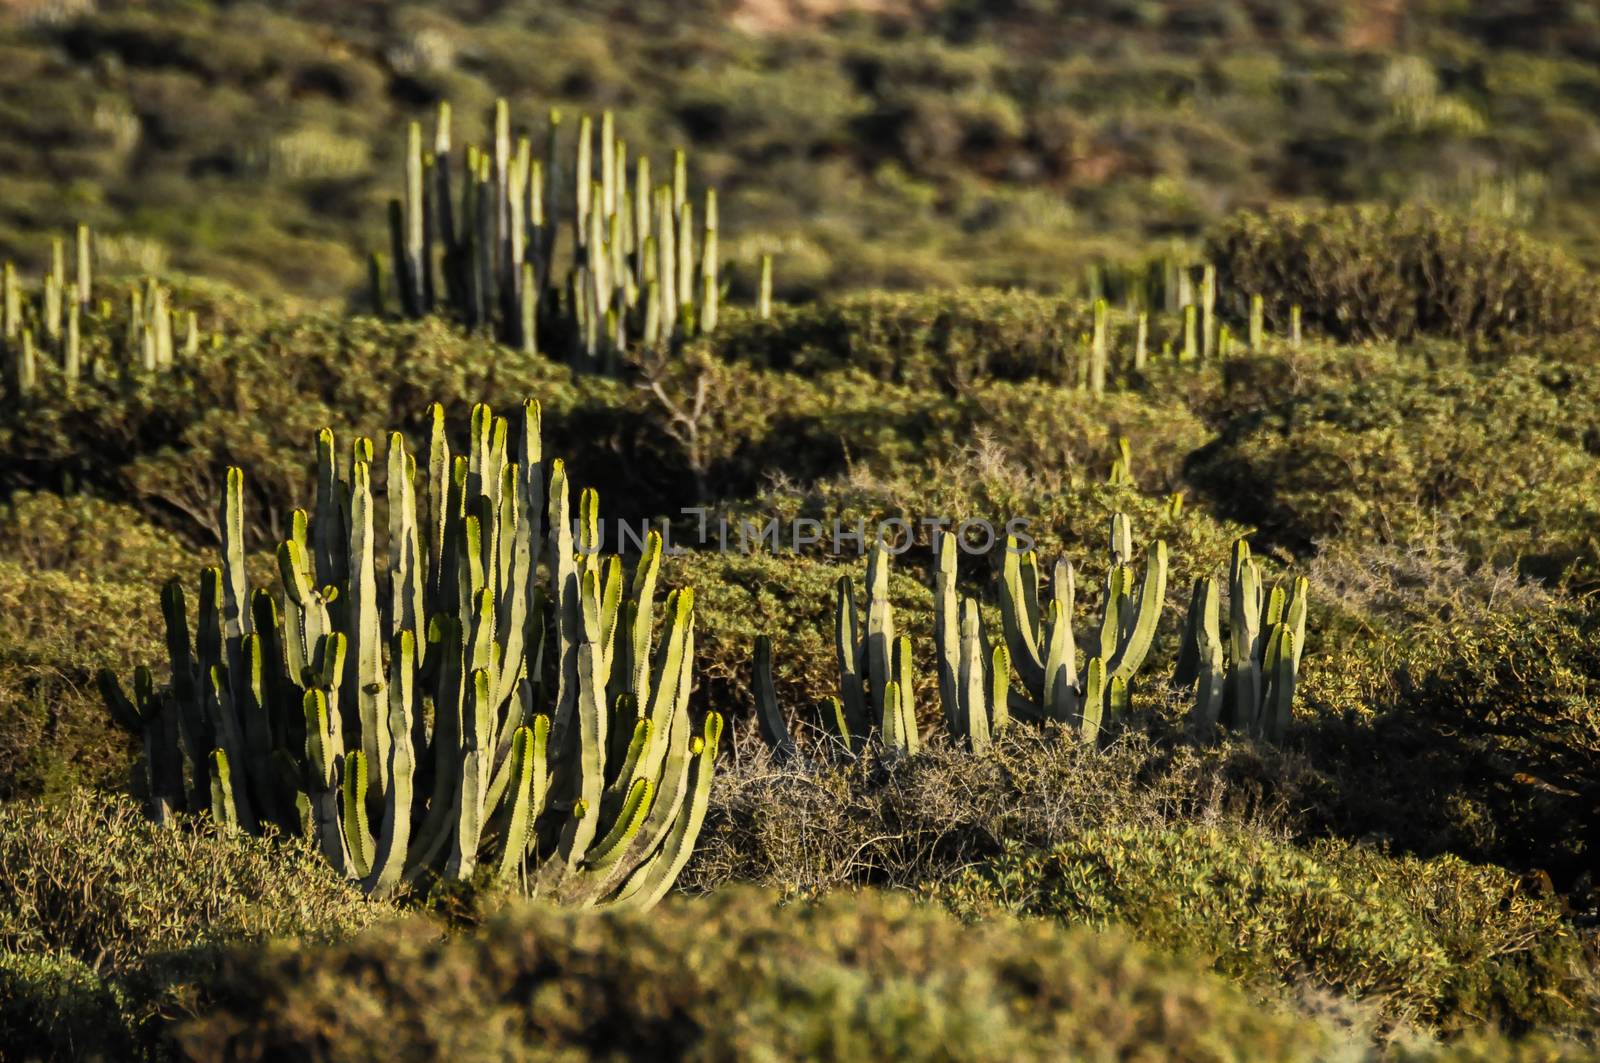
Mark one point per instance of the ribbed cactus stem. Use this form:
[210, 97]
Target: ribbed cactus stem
[642, 214]
[947, 631]
[1095, 696]
[975, 690]
[583, 182]
[1208, 311]
[685, 264]
[708, 267]
[667, 261]
[27, 365]
[904, 734]
[680, 180]
[880, 634]
[72, 345]
[11, 297]
[608, 164]
[1098, 350]
[1021, 632]
[85, 279]
[999, 690]
[774, 729]
[764, 299]
[414, 215]
[848, 652]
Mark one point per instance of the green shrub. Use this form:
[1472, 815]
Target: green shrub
[56, 1006]
[87, 538]
[1370, 272]
[701, 427]
[1442, 941]
[1508, 457]
[947, 339]
[109, 922]
[856, 977]
[1454, 725]
[59, 631]
[90, 876]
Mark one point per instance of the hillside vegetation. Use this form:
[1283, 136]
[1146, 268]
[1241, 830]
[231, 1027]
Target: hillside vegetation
[1281, 315]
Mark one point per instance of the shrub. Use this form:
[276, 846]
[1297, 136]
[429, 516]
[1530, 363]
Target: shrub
[1368, 272]
[108, 922]
[1472, 730]
[945, 339]
[91, 877]
[858, 977]
[56, 1006]
[835, 826]
[59, 630]
[1506, 456]
[88, 538]
[1440, 940]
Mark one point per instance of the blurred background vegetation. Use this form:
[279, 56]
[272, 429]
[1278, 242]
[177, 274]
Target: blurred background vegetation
[900, 144]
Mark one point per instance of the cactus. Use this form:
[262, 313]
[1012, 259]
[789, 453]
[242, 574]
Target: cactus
[1098, 351]
[315, 706]
[1122, 465]
[1038, 650]
[60, 329]
[635, 277]
[1248, 681]
[1126, 632]
[774, 729]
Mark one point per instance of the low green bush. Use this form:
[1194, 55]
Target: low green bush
[1441, 941]
[92, 877]
[1455, 726]
[732, 976]
[59, 630]
[56, 1006]
[1507, 458]
[108, 922]
[86, 538]
[947, 339]
[1367, 272]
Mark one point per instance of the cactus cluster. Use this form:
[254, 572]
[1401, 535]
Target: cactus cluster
[978, 674]
[876, 679]
[1246, 682]
[53, 327]
[1030, 672]
[1038, 642]
[640, 268]
[443, 708]
[1187, 293]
